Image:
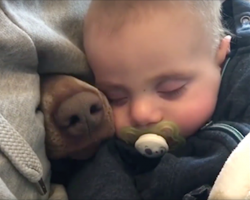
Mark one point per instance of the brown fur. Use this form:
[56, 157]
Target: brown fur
[57, 89]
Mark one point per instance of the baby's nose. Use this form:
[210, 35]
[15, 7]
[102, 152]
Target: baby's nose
[144, 113]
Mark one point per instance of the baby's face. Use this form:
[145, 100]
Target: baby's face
[158, 69]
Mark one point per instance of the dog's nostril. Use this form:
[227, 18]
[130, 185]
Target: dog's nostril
[74, 120]
[96, 108]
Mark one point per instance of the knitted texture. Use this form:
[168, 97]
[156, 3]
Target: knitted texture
[19, 152]
[36, 37]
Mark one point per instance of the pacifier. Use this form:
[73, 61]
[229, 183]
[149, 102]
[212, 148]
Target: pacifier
[154, 141]
[154, 145]
[151, 145]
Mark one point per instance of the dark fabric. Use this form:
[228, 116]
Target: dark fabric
[200, 193]
[234, 97]
[103, 178]
[119, 172]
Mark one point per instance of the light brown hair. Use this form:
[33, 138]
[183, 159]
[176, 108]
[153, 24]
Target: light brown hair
[113, 14]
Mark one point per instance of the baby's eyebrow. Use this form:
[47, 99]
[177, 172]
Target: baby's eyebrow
[171, 76]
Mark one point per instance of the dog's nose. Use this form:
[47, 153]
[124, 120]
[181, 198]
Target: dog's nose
[80, 114]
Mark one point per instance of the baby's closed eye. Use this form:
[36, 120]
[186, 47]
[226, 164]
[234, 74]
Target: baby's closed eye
[116, 98]
[171, 88]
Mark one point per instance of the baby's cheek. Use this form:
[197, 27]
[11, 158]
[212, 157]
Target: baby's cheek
[195, 117]
[120, 119]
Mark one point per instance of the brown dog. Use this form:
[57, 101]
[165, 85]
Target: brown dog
[77, 117]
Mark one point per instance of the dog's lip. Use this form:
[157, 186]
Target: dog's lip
[81, 153]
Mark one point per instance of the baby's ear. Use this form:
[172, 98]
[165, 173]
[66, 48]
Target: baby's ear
[223, 50]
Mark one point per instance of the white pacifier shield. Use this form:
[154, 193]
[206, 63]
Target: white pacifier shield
[151, 145]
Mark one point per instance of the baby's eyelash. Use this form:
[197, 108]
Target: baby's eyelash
[117, 102]
[174, 94]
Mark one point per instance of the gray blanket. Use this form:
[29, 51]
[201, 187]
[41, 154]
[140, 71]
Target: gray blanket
[36, 37]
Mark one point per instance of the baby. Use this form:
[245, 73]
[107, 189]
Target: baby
[157, 60]
[161, 61]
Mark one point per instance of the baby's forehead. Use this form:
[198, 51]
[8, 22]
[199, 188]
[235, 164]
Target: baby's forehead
[138, 50]
[114, 15]
[111, 19]
[176, 23]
